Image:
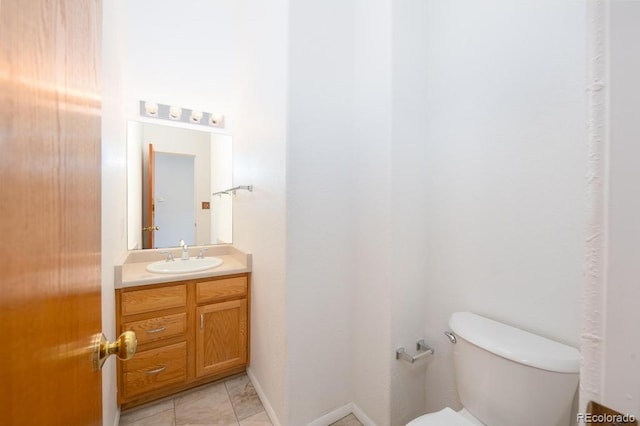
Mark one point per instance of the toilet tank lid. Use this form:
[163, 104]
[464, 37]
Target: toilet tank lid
[515, 344]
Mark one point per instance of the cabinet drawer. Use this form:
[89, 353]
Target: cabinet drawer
[154, 369]
[213, 291]
[154, 299]
[153, 329]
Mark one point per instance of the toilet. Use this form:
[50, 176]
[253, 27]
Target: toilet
[506, 376]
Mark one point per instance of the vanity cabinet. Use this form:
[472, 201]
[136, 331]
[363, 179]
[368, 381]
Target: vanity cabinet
[189, 333]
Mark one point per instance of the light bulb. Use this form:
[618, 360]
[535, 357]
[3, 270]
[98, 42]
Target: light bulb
[175, 113]
[196, 116]
[151, 108]
[216, 120]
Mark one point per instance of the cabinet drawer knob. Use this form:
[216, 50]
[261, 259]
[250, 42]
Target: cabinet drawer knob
[157, 370]
[156, 330]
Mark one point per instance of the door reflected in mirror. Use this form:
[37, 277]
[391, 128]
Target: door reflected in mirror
[171, 173]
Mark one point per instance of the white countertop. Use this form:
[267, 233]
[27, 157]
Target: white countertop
[131, 270]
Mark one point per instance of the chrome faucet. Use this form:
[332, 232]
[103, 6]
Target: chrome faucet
[169, 255]
[185, 250]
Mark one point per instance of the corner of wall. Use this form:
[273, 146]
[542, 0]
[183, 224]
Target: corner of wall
[594, 290]
[259, 153]
[263, 398]
[114, 191]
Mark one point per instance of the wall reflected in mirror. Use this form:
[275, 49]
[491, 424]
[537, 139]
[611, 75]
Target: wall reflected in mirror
[171, 173]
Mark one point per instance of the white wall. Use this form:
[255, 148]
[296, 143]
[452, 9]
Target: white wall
[370, 202]
[339, 207]
[180, 54]
[134, 185]
[621, 361]
[259, 217]
[488, 175]
[319, 207]
[114, 187]
[410, 195]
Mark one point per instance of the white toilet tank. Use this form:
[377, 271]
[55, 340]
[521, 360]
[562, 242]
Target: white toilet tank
[510, 377]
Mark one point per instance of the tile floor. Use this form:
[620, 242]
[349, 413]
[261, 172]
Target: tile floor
[233, 402]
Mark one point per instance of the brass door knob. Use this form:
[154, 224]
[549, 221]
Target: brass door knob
[124, 348]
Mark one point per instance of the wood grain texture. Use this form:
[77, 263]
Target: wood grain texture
[155, 368]
[153, 307]
[158, 328]
[154, 299]
[606, 416]
[222, 289]
[229, 326]
[50, 187]
[221, 341]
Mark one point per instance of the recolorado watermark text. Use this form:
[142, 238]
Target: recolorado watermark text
[615, 419]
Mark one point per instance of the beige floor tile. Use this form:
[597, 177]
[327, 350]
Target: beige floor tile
[208, 405]
[349, 420]
[260, 419]
[164, 418]
[243, 396]
[135, 414]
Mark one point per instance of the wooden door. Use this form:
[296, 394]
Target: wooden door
[150, 206]
[50, 291]
[221, 339]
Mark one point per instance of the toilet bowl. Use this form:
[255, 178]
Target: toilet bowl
[506, 376]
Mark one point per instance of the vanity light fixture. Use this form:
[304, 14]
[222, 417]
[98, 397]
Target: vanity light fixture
[176, 113]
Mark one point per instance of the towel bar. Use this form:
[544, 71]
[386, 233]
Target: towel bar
[232, 191]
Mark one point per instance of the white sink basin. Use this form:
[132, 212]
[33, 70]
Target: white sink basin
[180, 266]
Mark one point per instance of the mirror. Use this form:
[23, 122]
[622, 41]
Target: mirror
[172, 172]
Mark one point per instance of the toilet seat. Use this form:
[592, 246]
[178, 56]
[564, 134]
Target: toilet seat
[444, 417]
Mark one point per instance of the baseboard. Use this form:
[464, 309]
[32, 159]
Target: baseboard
[362, 417]
[263, 398]
[341, 412]
[116, 421]
[333, 416]
[325, 420]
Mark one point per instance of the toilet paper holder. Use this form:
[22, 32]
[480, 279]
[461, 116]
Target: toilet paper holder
[422, 348]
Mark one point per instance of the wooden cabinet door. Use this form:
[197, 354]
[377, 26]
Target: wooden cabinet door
[221, 337]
